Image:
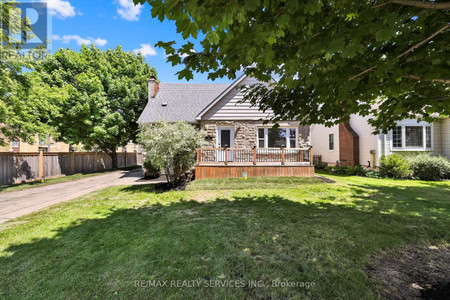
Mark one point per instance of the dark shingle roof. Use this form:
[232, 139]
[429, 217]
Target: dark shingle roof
[184, 101]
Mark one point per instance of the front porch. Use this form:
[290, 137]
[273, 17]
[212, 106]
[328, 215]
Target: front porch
[254, 162]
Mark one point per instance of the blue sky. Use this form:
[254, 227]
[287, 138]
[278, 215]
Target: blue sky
[109, 23]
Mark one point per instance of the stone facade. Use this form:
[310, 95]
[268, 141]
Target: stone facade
[246, 132]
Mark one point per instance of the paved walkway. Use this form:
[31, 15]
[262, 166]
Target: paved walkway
[16, 204]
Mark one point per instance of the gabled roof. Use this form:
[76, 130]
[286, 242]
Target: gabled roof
[180, 101]
[217, 99]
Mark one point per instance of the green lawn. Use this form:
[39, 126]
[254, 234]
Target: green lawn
[99, 245]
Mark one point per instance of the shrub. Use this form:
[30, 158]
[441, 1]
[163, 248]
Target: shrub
[171, 146]
[150, 170]
[356, 171]
[320, 166]
[394, 166]
[426, 167]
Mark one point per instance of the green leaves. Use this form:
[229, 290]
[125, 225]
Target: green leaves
[384, 34]
[100, 94]
[251, 5]
[332, 58]
[213, 37]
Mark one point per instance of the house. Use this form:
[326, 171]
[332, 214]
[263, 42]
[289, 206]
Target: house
[352, 143]
[237, 138]
[48, 144]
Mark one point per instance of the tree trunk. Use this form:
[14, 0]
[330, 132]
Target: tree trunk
[113, 156]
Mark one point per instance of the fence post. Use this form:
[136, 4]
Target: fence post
[254, 155]
[311, 155]
[125, 158]
[41, 164]
[282, 155]
[136, 157]
[226, 155]
[72, 162]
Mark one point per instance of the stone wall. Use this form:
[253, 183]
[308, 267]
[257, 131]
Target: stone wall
[245, 132]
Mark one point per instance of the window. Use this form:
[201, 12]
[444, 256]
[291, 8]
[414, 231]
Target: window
[15, 144]
[292, 138]
[397, 137]
[277, 138]
[412, 137]
[261, 137]
[331, 141]
[428, 136]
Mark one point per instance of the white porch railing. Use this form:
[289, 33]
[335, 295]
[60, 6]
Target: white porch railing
[254, 156]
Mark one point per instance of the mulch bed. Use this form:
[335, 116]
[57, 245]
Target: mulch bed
[413, 273]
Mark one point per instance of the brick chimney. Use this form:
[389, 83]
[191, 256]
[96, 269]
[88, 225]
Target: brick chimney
[153, 87]
[348, 145]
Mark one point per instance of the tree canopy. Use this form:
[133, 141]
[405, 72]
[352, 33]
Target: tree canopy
[19, 111]
[106, 93]
[327, 59]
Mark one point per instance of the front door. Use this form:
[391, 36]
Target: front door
[225, 139]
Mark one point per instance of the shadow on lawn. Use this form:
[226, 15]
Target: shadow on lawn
[245, 238]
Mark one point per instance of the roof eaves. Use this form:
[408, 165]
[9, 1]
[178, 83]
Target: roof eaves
[217, 99]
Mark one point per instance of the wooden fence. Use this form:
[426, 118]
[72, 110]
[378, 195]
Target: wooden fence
[21, 167]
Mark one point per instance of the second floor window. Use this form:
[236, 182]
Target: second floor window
[331, 141]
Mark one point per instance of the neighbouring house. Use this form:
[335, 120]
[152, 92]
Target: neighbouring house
[353, 143]
[48, 144]
[230, 123]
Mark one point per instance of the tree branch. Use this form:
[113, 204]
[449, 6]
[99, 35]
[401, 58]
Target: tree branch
[406, 52]
[436, 79]
[423, 42]
[415, 3]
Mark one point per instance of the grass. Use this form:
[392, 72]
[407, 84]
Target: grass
[305, 231]
[33, 184]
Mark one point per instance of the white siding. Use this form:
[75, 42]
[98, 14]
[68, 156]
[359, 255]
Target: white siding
[437, 137]
[367, 140]
[445, 137]
[319, 140]
[228, 107]
[441, 139]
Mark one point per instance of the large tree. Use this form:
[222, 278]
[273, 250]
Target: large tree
[19, 111]
[327, 59]
[106, 93]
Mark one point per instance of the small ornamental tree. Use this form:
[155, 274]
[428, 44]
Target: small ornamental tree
[171, 146]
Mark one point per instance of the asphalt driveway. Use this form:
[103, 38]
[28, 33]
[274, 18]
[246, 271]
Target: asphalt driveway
[19, 203]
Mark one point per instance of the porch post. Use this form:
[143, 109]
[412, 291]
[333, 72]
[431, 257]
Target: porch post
[199, 156]
[226, 155]
[282, 155]
[254, 155]
[311, 155]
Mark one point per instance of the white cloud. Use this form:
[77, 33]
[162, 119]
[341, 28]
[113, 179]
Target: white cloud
[146, 50]
[100, 42]
[128, 11]
[65, 39]
[60, 8]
